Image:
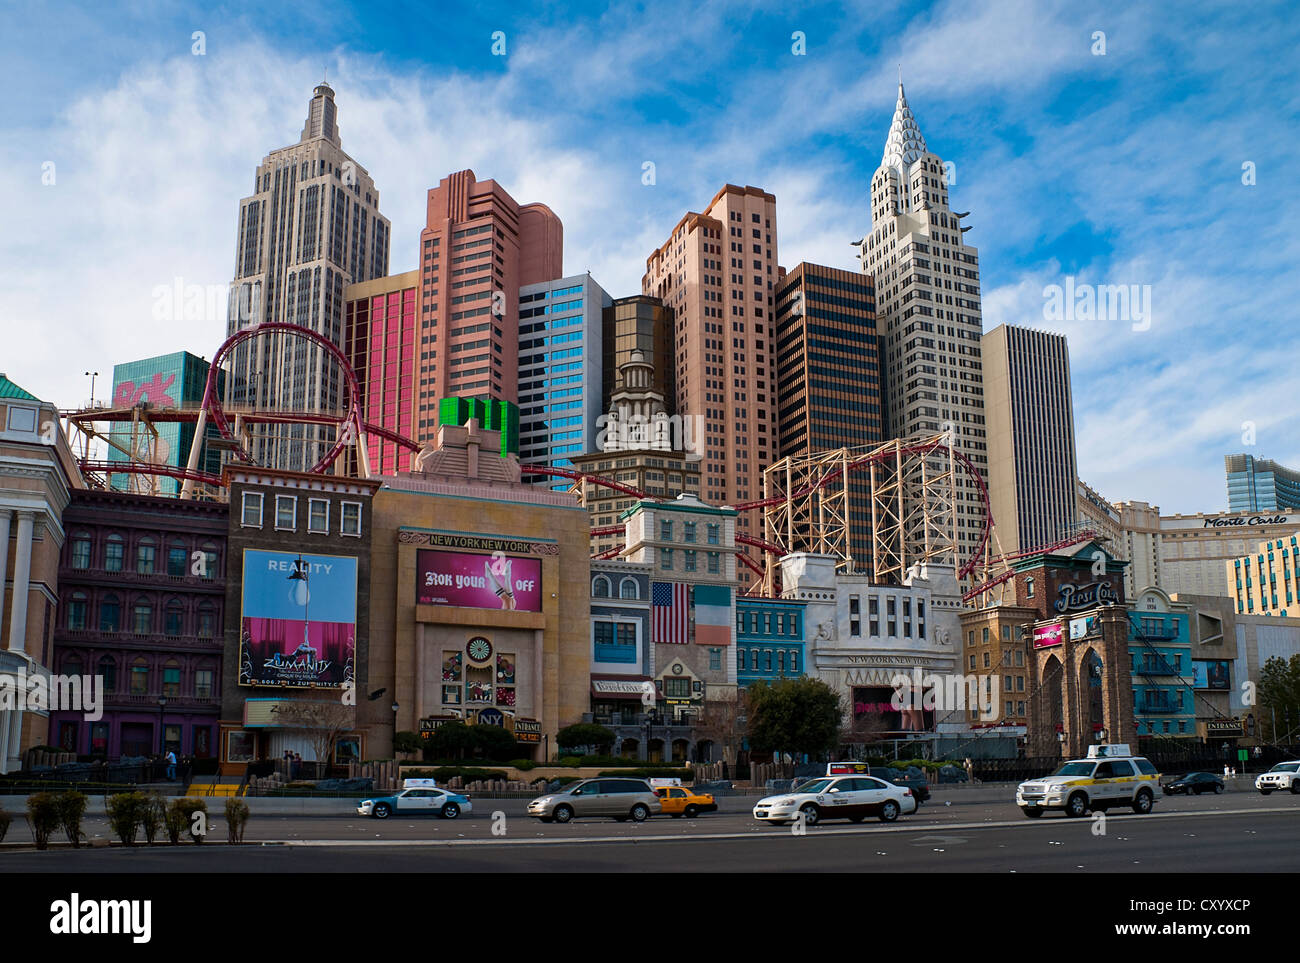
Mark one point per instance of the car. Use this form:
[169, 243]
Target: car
[1109, 778]
[1193, 784]
[912, 778]
[621, 799]
[678, 801]
[837, 797]
[424, 801]
[1285, 775]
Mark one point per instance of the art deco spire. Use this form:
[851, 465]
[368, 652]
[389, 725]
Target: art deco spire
[905, 143]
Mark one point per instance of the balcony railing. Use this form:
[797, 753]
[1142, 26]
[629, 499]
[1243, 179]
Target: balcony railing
[1156, 668]
[106, 637]
[152, 578]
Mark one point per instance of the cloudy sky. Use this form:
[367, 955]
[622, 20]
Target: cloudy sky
[1111, 146]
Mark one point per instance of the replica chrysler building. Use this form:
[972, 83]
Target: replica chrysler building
[927, 309]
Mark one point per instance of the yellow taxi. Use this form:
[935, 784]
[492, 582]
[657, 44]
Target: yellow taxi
[678, 801]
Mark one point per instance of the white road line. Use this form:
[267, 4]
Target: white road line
[779, 833]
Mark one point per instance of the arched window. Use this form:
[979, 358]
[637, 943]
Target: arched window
[110, 614]
[178, 559]
[77, 610]
[114, 553]
[139, 676]
[171, 686]
[600, 587]
[108, 669]
[80, 551]
[174, 618]
[627, 589]
[145, 552]
[207, 620]
[72, 664]
[142, 617]
[211, 561]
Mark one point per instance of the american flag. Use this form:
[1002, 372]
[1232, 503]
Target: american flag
[670, 612]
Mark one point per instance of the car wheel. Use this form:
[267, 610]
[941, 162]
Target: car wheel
[691, 812]
[1142, 802]
[563, 814]
[888, 811]
[450, 811]
[383, 811]
[1218, 788]
[1077, 805]
[640, 812]
[810, 814]
[1032, 813]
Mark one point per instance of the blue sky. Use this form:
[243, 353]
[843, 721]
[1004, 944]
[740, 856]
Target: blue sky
[1122, 168]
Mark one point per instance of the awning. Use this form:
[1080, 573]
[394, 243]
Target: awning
[619, 687]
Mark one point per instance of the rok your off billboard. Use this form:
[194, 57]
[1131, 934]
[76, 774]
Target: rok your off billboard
[299, 619]
[495, 581]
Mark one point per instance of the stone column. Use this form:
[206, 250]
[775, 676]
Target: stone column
[6, 717]
[15, 750]
[22, 582]
[4, 569]
[421, 663]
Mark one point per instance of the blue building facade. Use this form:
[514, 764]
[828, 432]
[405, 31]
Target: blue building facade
[1259, 485]
[770, 640]
[1160, 649]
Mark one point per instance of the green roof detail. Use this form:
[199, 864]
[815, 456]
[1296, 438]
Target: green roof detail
[10, 390]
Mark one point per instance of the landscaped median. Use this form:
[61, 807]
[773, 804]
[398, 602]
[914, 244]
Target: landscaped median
[133, 817]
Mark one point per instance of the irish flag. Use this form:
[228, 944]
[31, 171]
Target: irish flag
[713, 615]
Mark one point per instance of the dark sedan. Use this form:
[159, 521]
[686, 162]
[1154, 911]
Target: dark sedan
[1194, 783]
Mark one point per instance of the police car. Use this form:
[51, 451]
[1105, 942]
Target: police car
[1110, 777]
[419, 797]
[852, 797]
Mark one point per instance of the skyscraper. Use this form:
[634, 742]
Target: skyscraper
[478, 248]
[1032, 467]
[1257, 485]
[639, 325]
[717, 272]
[311, 227]
[927, 307]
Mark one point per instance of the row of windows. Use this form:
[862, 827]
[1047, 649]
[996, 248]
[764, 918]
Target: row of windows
[689, 560]
[767, 660]
[627, 588]
[78, 612]
[180, 560]
[689, 532]
[137, 677]
[286, 514]
[787, 623]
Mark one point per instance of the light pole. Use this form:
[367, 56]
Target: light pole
[162, 737]
[302, 594]
[92, 375]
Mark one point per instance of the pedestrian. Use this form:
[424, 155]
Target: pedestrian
[171, 765]
[970, 770]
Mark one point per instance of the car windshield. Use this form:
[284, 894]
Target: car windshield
[1286, 767]
[817, 785]
[1075, 769]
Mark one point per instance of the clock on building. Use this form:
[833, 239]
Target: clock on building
[479, 649]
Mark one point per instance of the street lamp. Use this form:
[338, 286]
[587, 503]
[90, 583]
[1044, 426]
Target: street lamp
[162, 744]
[92, 375]
[302, 595]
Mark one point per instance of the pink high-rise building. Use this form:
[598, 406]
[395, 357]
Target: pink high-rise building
[381, 345]
[717, 272]
[478, 247]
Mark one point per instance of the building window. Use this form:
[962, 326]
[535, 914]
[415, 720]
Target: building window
[712, 533]
[142, 618]
[986, 660]
[665, 531]
[688, 560]
[251, 513]
[210, 562]
[174, 617]
[714, 563]
[665, 558]
[207, 621]
[139, 677]
[741, 659]
[108, 669]
[627, 589]
[171, 687]
[972, 661]
[688, 531]
[600, 587]
[177, 558]
[1020, 657]
[286, 513]
[715, 659]
[110, 614]
[794, 661]
[318, 516]
[81, 552]
[203, 684]
[114, 553]
[144, 557]
[351, 522]
[677, 688]
[1029, 587]
[77, 611]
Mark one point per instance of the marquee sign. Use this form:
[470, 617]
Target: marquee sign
[477, 543]
[1243, 520]
[1071, 598]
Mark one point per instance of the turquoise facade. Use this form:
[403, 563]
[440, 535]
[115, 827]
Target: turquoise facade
[770, 641]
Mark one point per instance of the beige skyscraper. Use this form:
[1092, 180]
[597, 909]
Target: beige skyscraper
[927, 307]
[310, 228]
[717, 272]
[1031, 451]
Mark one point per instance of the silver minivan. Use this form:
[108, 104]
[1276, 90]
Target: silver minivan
[623, 799]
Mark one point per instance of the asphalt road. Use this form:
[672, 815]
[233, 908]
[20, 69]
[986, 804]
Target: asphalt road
[1236, 832]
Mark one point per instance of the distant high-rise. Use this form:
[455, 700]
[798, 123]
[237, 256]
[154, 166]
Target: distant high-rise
[927, 308]
[1031, 454]
[717, 272]
[311, 227]
[478, 248]
[639, 324]
[1257, 485]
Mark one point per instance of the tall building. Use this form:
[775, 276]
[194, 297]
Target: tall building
[641, 324]
[560, 366]
[1031, 453]
[380, 334]
[828, 376]
[168, 381]
[310, 228]
[1267, 580]
[1257, 485]
[927, 307]
[717, 272]
[1093, 511]
[478, 248]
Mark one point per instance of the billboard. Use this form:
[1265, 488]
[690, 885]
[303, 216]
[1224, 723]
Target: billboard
[476, 581]
[1083, 627]
[875, 712]
[298, 632]
[1046, 636]
[1211, 675]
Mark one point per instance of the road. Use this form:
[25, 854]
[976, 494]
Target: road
[1236, 832]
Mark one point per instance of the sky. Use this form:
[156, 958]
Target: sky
[1128, 144]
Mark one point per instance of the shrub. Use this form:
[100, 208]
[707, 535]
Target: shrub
[584, 734]
[125, 813]
[684, 775]
[72, 806]
[570, 762]
[407, 742]
[523, 765]
[4, 824]
[153, 816]
[43, 816]
[180, 818]
[236, 817]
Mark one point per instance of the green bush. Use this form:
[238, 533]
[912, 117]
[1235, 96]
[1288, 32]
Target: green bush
[570, 762]
[684, 775]
[407, 742]
[523, 765]
[584, 734]
[236, 817]
[444, 773]
[153, 816]
[180, 819]
[72, 806]
[43, 812]
[125, 813]
[4, 824]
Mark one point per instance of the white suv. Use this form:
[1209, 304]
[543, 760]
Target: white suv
[1285, 775]
[1081, 785]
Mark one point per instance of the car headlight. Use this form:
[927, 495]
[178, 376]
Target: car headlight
[542, 802]
[786, 802]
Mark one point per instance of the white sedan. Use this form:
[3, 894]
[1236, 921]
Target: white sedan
[843, 797]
